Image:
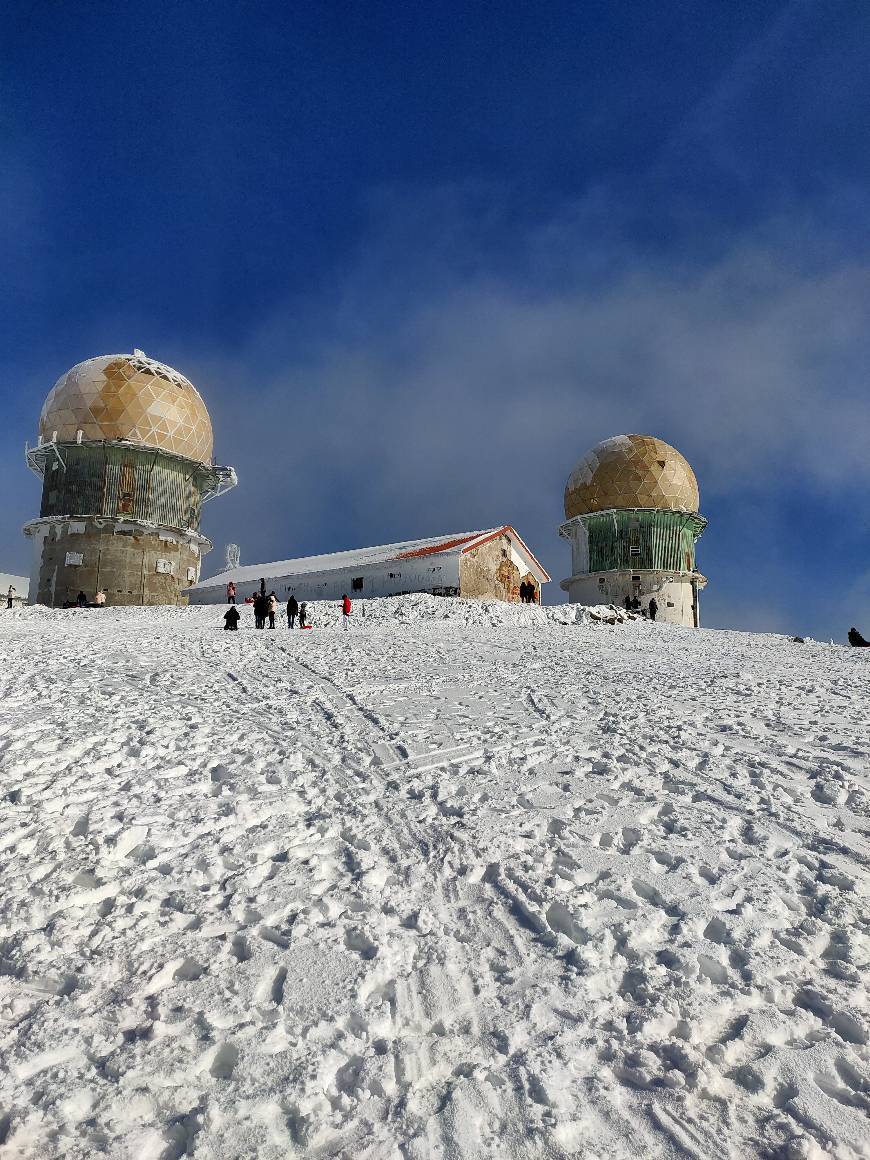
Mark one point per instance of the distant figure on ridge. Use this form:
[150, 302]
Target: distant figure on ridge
[10, 595]
[653, 608]
[857, 640]
[292, 611]
[232, 618]
[272, 608]
[231, 592]
[345, 612]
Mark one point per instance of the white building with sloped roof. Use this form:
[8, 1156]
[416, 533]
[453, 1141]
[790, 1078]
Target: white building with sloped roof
[490, 564]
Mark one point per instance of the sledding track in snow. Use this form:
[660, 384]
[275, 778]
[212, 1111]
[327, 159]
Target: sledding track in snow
[431, 888]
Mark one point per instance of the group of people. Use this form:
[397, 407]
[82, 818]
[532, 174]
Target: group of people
[528, 593]
[81, 601]
[266, 608]
[633, 604]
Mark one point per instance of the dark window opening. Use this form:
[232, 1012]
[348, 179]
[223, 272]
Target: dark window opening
[356, 584]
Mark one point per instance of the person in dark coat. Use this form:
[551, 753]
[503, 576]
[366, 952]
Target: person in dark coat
[261, 609]
[232, 618]
[653, 608]
[82, 600]
[856, 640]
[303, 613]
[635, 604]
[628, 604]
[292, 611]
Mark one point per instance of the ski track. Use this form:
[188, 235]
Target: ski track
[453, 884]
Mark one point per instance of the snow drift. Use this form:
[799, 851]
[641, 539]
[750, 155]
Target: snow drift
[467, 881]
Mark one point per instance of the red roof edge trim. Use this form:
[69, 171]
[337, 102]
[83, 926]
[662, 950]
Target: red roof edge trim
[502, 531]
[434, 549]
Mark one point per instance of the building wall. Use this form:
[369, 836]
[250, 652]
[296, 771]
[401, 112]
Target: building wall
[634, 538]
[492, 571]
[132, 564]
[675, 596]
[438, 574]
[115, 479]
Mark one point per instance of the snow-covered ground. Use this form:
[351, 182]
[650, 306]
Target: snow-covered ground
[464, 882]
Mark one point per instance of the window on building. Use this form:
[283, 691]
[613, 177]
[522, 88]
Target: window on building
[634, 550]
[164, 566]
[74, 558]
[356, 584]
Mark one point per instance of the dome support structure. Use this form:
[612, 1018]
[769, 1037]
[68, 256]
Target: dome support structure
[125, 458]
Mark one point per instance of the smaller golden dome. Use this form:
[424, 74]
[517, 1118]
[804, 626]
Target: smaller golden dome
[130, 397]
[631, 471]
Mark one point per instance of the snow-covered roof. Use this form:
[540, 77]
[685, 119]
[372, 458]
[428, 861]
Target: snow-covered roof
[453, 544]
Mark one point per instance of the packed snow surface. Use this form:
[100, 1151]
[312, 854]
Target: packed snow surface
[466, 881]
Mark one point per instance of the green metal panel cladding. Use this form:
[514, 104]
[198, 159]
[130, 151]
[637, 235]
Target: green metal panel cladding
[643, 539]
[106, 479]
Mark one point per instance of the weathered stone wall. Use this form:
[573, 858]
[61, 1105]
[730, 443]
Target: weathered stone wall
[488, 572]
[121, 561]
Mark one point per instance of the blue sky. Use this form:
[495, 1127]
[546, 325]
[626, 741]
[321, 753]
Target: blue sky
[418, 258]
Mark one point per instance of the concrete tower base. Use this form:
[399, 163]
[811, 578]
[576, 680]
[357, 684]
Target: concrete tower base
[676, 595]
[132, 562]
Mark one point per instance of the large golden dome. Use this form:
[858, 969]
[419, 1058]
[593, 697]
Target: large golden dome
[631, 471]
[132, 397]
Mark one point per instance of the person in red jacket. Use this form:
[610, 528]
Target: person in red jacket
[345, 611]
[231, 592]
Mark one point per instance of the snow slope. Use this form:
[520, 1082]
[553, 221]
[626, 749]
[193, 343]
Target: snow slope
[464, 882]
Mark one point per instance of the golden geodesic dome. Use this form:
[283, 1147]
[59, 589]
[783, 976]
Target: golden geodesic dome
[631, 471]
[131, 397]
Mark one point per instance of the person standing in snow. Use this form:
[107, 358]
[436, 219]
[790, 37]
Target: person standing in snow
[232, 618]
[81, 600]
[292, 611]
[10, 595]
[628, 604]
[346, 608]
[100, 599]
[303, 613]
[231, 592]
[261, 608]
[653, 608]
[272, 607]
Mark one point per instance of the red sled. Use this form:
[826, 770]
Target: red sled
[304, 626]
